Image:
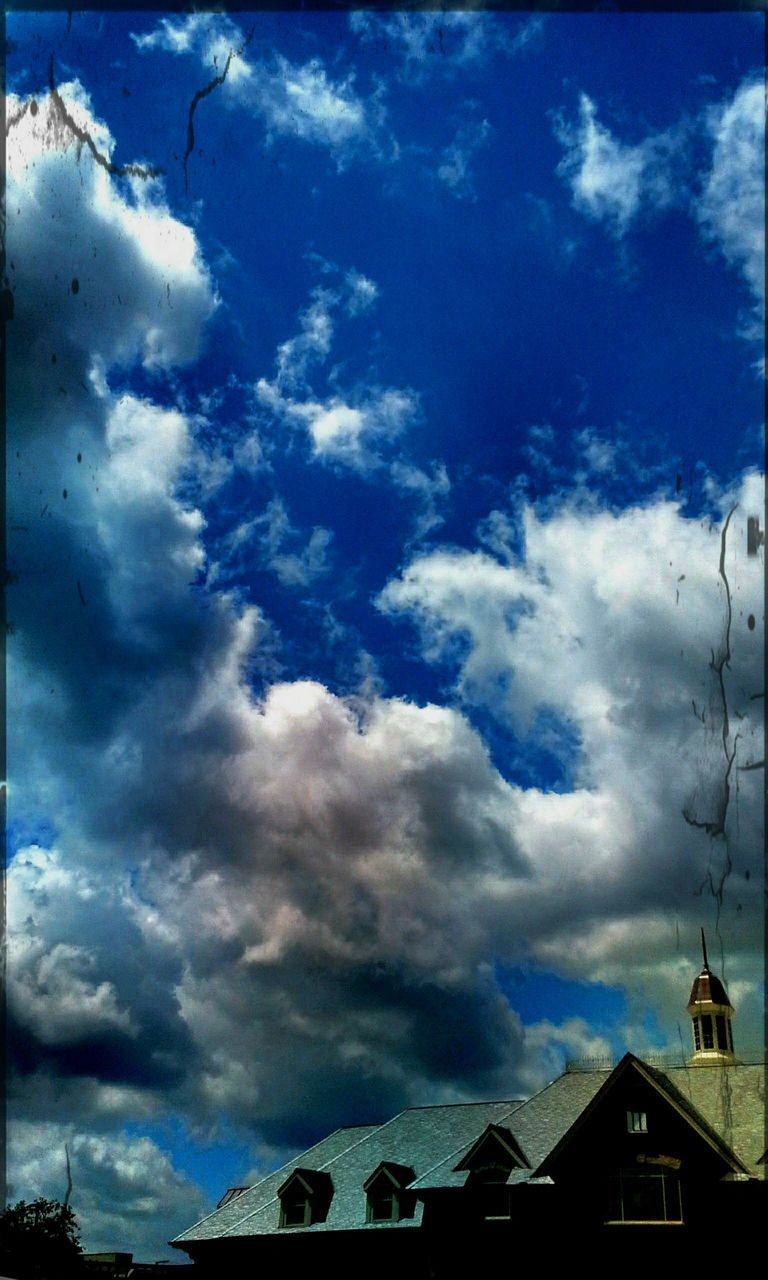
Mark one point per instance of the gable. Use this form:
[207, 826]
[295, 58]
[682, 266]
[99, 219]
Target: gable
[389, 1174]
[495, 1148]
[637, 1119]
[308, 1182]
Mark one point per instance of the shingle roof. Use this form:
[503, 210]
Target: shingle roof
[419, 1137]
[731, 1098]
[218, 1223]
[536, 1126]
[728, 1099]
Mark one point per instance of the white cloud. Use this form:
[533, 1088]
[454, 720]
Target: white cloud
[157, 294]
[347, 433]
[732, 205]
[353, 429]
[274, 534]
[446, 40]
[612, 181]
[294, 101]
[616, 183]
[362, 292]
[609, 621]
[455, 169]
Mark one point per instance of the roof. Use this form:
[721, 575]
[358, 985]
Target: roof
[731, 1098]
[420, 1137]
[725, 1102]
[708, 987]
[537, 1125]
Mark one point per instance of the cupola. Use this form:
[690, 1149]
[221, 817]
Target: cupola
[711, 1014]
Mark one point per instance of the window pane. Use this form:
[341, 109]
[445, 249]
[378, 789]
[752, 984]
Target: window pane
[381, 1208]
[295, 1212]
[643, 1198]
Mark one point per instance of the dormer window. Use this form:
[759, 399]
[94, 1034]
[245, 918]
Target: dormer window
[489, 1163]
[305, 1198]
[637, 1122]
[386, 1196]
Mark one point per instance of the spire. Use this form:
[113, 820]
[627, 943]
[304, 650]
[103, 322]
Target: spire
[711, 1013]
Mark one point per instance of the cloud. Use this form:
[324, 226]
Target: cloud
[362, 292]
[616, 183]
[259, 899]
[125, 1189]
[731, 209]
[610, 622]
[273, 533]
[449, 40]
[292, 101]
[612, 181]
[356, 429]
[455, 170]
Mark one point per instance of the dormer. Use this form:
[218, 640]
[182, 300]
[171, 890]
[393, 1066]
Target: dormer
[305, 1198]
[387, 1198]
[711, 1014]
[494, 1155]
[488, 1163]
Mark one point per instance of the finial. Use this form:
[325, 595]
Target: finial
[704, 949]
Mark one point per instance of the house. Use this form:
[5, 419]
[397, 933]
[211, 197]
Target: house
[641, 1160]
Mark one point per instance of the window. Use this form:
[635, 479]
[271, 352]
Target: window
[637, 1122]
[722, 1038]
[489, 1185]
[386, 1196]
[707, 1031]
[305, 1197]
[641, 1196]
[296, 1210]
[383, 1205]
[696, 1035]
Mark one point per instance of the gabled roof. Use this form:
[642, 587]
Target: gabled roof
[399, 1175]
[724, 1103]
[536, 1126]
[312, 1181]
[629, 1063]
[494, 1139]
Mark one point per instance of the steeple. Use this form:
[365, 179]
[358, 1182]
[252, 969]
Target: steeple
[711, 1013]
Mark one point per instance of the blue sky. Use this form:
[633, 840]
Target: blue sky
[371, 470]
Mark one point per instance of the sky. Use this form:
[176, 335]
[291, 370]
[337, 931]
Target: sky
[385, 413]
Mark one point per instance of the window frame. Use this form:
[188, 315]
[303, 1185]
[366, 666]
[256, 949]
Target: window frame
[637, 1121]
[306, 1200]
[671, 1189]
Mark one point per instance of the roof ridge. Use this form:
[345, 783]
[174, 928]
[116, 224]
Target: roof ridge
[442, 1106]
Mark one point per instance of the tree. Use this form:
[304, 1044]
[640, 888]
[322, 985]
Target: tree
[39, 1241]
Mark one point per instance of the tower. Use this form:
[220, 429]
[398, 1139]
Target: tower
[711, 1013]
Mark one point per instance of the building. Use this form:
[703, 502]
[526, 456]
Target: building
[641, 1160]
